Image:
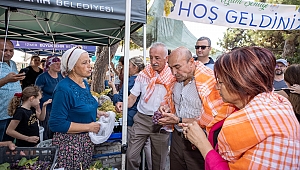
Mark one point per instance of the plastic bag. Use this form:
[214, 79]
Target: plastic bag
[102, 99]
[106, 128]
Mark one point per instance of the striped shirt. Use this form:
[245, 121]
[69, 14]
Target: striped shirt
[186, 100]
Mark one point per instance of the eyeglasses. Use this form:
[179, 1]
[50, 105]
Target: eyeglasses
[70, 56]
[203, 47]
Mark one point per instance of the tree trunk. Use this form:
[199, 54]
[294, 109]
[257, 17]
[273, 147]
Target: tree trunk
[101, 66]
[289, 47]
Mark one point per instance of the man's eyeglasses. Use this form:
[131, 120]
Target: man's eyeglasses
[203, 47]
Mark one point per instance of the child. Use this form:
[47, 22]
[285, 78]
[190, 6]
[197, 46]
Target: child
[24, 124]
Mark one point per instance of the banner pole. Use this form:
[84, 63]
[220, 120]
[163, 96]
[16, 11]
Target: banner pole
[125, 80]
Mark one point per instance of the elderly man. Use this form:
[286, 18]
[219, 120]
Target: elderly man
[153, 84]
[196, 99]
[203, 47]
[9, 83]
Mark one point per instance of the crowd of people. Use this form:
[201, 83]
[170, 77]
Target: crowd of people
[241, 111]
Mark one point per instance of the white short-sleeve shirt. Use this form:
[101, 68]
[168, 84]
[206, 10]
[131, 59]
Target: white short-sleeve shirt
[154, 101]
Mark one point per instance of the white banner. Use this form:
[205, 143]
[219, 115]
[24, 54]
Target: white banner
[237, 14]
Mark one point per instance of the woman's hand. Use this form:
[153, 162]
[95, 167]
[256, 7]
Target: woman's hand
[193, 132]
[295, 88]
[119, 107]
[94, 127]
[101, 113]
[111, 84]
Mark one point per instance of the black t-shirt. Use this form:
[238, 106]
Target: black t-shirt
[28, 125]
[31, 76]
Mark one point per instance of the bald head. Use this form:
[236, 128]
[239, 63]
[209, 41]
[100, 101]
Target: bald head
[182, 64]
[181, 52]
[7, 53]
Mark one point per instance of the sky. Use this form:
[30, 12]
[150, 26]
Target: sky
[211, 31]
[197, 29]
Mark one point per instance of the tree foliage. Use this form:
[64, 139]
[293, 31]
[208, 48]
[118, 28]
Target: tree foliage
[283, 43]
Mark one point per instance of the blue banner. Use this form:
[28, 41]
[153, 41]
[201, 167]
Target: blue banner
[49, 46]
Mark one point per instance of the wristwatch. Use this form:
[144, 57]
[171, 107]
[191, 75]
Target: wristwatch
[180, 119]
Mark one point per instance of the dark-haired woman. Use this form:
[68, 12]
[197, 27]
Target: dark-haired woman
[31, 72]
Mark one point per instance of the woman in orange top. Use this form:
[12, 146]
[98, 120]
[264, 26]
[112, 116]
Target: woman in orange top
[263, 132]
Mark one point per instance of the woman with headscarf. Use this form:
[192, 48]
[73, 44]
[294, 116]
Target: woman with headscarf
[74, 112]
[263, 131]
[31, 72]
[47, 81]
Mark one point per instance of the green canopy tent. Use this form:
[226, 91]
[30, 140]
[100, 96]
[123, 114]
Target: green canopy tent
[66, 24]
[89, 22]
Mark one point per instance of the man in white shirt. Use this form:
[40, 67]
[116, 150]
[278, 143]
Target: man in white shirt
[153, 84]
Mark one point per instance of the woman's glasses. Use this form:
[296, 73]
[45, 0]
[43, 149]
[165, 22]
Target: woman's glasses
[200, 46]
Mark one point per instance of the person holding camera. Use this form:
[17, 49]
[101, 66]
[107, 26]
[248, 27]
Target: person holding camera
[9, 84]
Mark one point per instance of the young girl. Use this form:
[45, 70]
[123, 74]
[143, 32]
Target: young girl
[24, 124]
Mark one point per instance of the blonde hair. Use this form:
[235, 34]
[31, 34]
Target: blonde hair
[28, 92]
[138, 62]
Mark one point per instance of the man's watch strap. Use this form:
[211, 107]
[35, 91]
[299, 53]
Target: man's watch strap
[180, 120]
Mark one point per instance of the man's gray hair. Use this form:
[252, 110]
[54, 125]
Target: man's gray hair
[159, 44]
[205, 38]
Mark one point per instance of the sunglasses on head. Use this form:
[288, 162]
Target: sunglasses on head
[200, 46]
